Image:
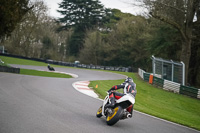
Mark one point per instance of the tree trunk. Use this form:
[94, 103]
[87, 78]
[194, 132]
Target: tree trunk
[185, 57]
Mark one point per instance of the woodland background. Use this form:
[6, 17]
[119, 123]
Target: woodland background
[93, 34]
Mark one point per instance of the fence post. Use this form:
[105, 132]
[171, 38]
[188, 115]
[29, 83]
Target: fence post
[172, 70]
[153, 65]
[183, 71]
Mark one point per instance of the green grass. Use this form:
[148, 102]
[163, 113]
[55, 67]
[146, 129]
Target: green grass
[10, 60]
[43, 73]
[2, 63]
[158, 102]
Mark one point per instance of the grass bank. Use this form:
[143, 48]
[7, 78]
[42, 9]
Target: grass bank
[44, 73]
[158, 102]
[11, 60]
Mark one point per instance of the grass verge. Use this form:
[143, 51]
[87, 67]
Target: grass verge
[158, 102]
[44, 73]
[11, 60]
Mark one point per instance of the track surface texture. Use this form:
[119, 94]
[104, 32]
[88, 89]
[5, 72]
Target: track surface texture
[32, 104]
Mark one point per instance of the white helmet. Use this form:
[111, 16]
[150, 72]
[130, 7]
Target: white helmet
[127, 80]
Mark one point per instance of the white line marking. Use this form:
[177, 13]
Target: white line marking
[84, 89]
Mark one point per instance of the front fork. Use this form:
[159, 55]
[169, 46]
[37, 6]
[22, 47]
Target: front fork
[106, 100]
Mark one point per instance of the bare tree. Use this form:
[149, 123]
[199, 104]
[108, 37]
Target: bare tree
[24, 38]
[27, 38]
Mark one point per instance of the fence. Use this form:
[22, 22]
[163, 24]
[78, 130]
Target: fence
[169, 70]
[169, 85]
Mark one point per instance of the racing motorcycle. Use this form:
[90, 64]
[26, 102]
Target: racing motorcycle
[50, 68]
[118, 112]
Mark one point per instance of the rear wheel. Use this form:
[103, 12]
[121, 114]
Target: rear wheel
[99, 112]
[114, 117]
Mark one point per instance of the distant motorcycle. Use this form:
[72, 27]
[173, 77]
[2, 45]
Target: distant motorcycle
[50, 68]
[113, 115]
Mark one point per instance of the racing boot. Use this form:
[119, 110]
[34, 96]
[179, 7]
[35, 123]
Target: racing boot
[111, 104]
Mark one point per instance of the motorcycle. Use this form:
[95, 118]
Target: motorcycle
[50, 68]
[119, 111]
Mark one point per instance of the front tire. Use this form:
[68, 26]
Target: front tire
[114, 117]
[99, 112]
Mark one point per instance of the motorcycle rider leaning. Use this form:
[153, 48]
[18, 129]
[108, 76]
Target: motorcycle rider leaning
[129, 87]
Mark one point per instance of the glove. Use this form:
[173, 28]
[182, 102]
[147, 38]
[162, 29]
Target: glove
[110, 91]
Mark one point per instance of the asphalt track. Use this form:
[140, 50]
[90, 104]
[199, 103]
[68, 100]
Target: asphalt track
[32, 104]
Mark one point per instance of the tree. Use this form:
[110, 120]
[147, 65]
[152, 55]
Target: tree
[165, 42]
[180, 14]
[36, 35]
[93, 49]
[11, 13]
[85, 14]
[47, 44]
[26, 33]
[81, 15]
[194, 76]
[126, 43]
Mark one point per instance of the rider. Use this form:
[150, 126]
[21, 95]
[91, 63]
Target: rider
[129, 87]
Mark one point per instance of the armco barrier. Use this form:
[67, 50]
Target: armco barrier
[198, 95]
[189, 91]
[158, 81]
[122, 69]
[141, 73]
[169, 85]
[9, 69]
[146, 76]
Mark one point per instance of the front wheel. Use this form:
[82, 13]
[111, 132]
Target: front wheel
[114, 117]
[99, 112]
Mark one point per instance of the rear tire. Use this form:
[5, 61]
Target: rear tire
[99, 112]
[113, 118]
